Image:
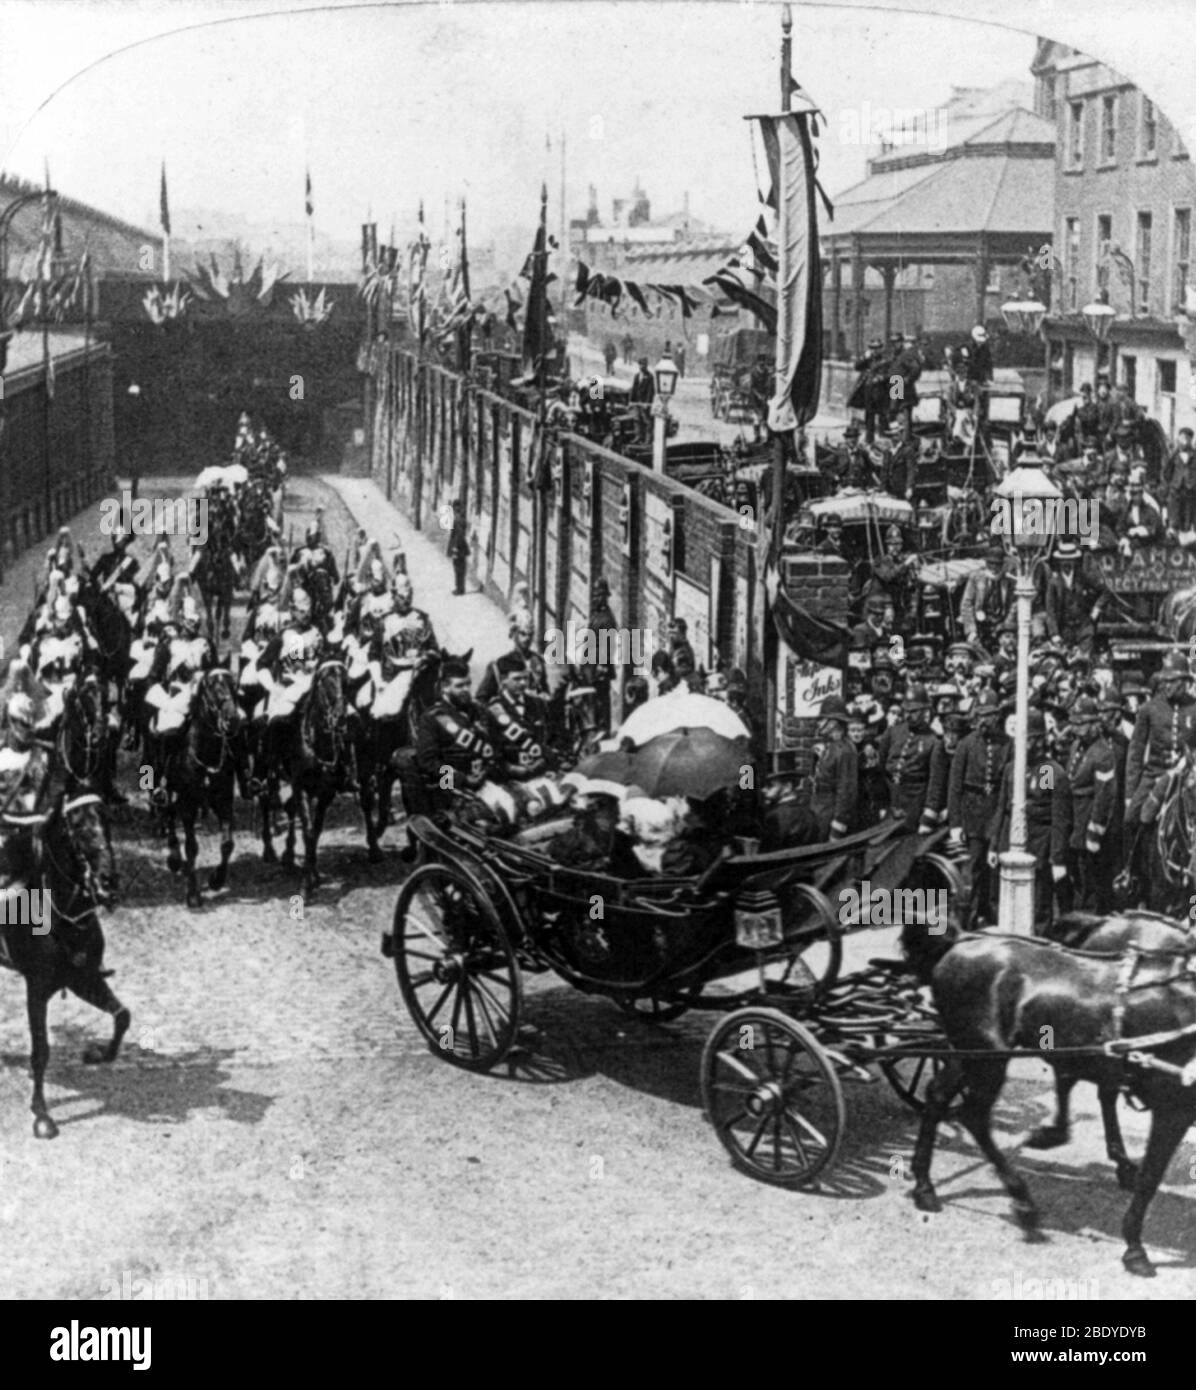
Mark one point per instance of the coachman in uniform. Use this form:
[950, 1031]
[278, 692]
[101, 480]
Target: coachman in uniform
[452, 744]
[973, 787]
[1048, 823]
[915, 765]
[1092, 772]
[518, 723]
[1156, 746]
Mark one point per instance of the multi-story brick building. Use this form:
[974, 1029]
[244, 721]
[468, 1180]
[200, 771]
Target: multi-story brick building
[1125, 191]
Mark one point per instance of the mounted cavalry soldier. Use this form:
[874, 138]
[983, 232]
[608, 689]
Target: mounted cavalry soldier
[522, 630]
[401, 643]
[973, 786]
[1157, 745]
[24, 777]
[59, 654]
[181, 657]
[314, 553]
[265, 588]
[155, 614]
[371, 604]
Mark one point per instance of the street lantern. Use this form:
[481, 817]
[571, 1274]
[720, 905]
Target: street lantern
[666, 375]
[1026, 516]
[1099, 316]
[1023, 315]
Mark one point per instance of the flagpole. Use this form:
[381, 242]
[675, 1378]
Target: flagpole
[540, 499]
[311, 252]
[770, 653]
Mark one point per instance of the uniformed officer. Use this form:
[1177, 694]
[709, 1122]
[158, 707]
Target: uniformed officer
[1157, 744]
[518, 724]
[1048, 823]
[1092, 772]
[1111, 714]
[915, 765]
[973, 787]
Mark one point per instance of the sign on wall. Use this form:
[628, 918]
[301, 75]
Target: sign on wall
[1151, 569]
[801, 688]
[658, 537]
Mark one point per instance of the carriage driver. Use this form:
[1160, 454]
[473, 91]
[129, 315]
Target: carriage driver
[452, 745]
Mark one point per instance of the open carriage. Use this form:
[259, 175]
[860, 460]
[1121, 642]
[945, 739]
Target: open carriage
[757, 938]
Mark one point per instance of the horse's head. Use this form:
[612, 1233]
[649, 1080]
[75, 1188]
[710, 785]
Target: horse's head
[79, 846]
[217, 703]
[329, 698]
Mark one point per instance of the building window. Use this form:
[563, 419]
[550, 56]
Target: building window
[1142, 262]
[1108, 129]
[1104, 239]
[1129, 375]
[1075, 134]
[1166, 377]
[1148, 134]
[1046, 90]
[1071, 262]
[1181, 258]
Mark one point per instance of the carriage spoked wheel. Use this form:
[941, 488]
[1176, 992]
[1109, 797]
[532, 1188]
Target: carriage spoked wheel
[773, 1097]
[457, 968]
[814, 938]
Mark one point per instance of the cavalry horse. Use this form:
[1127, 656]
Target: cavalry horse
[86, 752]
[315, 760]
[1168, 848]
[201, 776]
[380, 740]
[215, 575]
[71, 859]
[997, 993]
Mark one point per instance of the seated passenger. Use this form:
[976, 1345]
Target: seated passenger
[594, 840]
[653, 826]
[699, 841]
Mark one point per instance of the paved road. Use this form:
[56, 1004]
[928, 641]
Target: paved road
[275, 1128]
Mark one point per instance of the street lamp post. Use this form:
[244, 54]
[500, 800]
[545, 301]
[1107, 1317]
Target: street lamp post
[666, 375]
[1029, 500]
[1098, 318]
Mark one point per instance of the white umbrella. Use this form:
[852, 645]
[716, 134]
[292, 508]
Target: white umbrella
[236, 474]
[680, 709]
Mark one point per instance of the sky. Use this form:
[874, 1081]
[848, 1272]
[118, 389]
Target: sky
[391, 104]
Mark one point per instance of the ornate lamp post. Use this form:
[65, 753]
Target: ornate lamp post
[1029, 502]
[1023, 315]
[1098, 318]
[666, 374]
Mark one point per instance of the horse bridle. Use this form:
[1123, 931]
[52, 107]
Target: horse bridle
[334, 733]
[220, 725]
[71, 712]
[88, 882]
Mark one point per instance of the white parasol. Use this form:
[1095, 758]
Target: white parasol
[857, 505]
[680, 709]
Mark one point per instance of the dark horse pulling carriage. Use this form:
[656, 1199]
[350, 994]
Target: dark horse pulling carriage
[758, 938]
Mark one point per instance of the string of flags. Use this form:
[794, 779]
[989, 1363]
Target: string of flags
[610, 289]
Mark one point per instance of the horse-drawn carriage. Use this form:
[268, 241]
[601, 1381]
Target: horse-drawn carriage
[757, 938]
[741, 373]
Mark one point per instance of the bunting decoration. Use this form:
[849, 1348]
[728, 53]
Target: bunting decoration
[609, 290]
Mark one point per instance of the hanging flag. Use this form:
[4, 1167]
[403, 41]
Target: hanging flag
[790, 154]
[307, 195]
[809, 638]
[536, 337]
[163, 203]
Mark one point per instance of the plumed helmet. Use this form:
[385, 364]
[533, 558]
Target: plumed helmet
[403, 588]
[521, 620]
[189, 612]
[61, 608]
[300, 601]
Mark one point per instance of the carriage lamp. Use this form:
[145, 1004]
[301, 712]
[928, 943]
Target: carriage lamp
[1023, 315]
[1025, 513]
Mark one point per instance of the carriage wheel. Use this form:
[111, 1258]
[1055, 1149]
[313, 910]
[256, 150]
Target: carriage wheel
[815, 939]
[650, 1010]
[773, 1097]
[457, 969]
